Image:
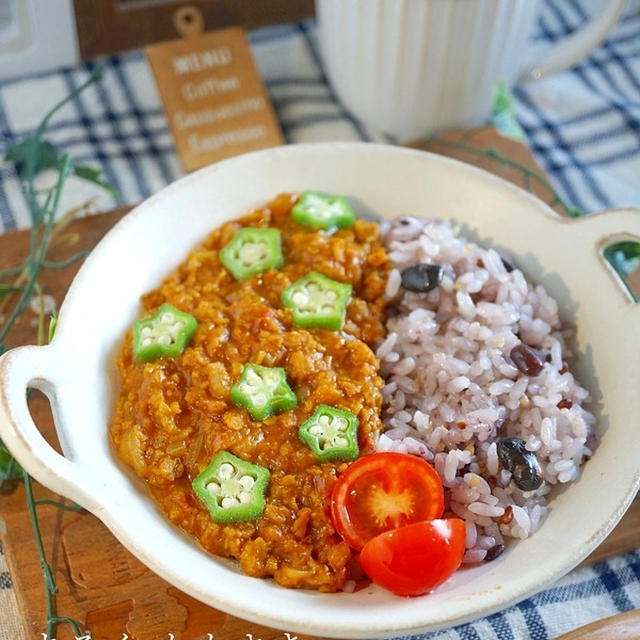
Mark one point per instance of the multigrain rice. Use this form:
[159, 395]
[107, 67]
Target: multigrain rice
[452, 390]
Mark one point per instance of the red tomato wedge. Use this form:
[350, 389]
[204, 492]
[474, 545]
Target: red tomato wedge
[413, 560]
[383, 491]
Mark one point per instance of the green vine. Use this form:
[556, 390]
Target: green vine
[31, 156]
[529, 175]
[50, 586]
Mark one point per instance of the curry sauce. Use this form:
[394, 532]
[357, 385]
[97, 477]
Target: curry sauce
[174, 415]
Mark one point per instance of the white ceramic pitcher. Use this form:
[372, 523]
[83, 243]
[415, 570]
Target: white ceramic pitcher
[409, 67]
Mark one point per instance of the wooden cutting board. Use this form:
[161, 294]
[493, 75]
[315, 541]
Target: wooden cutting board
[102, 584]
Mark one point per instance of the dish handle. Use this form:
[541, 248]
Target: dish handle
[35, 367]
[597, 231]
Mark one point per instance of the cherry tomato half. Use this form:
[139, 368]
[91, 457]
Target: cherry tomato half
[413, 560]
[383, 491]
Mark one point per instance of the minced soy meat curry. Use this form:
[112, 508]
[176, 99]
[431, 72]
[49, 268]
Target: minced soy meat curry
[250, 383]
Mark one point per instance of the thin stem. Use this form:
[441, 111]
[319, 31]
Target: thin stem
[12, 271]
[51, 588]
[37, 213]
[60, 505]
[60, 264]
[95, 75]
[47, 572]
[496, 155]
[65, 219]
[35, 263]
[72, 621]
[28, 264]
[38, 290]
[16, 283]
[8, 288]
[470, 133]
[22, 269]
[65, 169]
[47, 203]
[11, 472]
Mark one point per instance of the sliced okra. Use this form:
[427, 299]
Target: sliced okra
[263, 391]
[232, 489]
[331, 433]
[251, 251]
[165, 333]
[323, 211]
[317, 301]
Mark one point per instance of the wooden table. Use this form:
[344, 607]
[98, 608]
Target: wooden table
[100, 582]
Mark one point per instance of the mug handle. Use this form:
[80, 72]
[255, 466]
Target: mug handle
[579, 44]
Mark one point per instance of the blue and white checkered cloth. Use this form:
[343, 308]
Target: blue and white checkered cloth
[584, 595]
[583, 126]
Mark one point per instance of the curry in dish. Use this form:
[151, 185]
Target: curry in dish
[250, 383]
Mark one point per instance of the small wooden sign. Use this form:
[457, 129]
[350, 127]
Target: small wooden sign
[215, 100]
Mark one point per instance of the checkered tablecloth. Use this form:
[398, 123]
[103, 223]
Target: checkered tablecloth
[583, 126]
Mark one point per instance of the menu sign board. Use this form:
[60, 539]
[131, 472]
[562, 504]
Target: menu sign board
[215, 100]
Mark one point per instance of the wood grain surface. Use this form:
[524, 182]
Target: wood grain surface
[102, 584]
[623, 626]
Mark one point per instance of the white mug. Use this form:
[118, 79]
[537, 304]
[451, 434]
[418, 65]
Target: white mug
[410, 67]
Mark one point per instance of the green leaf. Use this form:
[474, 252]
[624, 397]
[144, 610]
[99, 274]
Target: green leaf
[92, 174]
[503, 113]
[624, 256]
[9, 467]
[53, 323]
[44, 155]
[576, 212]
[87, 173]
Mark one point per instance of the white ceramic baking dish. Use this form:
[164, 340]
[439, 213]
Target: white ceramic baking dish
[77, 372]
